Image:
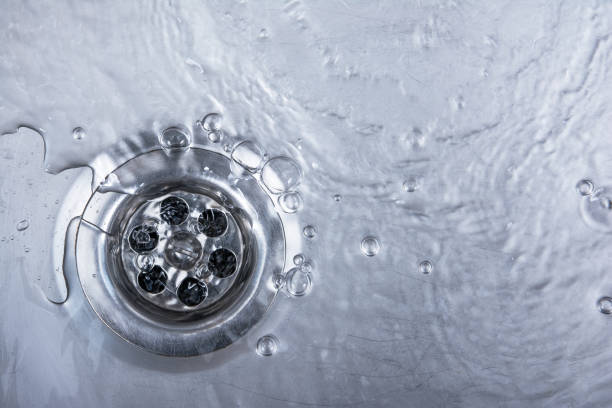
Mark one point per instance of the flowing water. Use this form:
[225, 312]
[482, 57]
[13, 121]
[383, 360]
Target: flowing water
[450, 163]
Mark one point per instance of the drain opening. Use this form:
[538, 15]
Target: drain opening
[189, 257]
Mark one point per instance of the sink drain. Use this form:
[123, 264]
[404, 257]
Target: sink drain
[178, 255]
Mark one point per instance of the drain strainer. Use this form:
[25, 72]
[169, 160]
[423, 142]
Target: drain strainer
[178, 255]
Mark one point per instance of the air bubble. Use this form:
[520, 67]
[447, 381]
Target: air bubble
[310, 231]
[290, 202]
[605, 305]
[23, 225]
[425, 267]
[249, 155]
[370, 246]
[278, 280]
[411, 184]
[212, 122]
[306, 267]
[215, 136]
[267, 345]
[175, 138]
[298, 282]
[298, 259]
[281, 174]
[337, 198]
[263, 34]
[596, 209]
[78, 133]
[585, 187]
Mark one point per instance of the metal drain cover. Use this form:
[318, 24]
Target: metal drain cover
[178, 255]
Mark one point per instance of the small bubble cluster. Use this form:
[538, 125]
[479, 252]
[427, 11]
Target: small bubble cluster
[212, 124]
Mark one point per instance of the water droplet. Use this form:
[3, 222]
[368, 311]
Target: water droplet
[310, 231]
[411, 184]
[78, 133]
[26, 249]
[337, 198]
[298, 259]
[267, 345]
[263, 34]
[605, 305]
[298, 282]
[175, 138]
[290, 202]
[606, 203]
[425, 267]
[370, 246]
[281, 174]
[227, 148]
[212, 122]
[145, 262]
[585, 187]
[249, 155]
[23, 225]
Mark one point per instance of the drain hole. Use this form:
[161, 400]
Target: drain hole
[153, 281]
[222, 263]
[192, 292]
[174, 210]
[143, 238]
[212, 222]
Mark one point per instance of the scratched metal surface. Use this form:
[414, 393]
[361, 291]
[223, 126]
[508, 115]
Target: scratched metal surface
[490, 111]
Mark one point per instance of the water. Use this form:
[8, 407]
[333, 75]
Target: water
[497, 110]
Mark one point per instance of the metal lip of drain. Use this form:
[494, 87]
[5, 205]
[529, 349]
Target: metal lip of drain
[201, 292]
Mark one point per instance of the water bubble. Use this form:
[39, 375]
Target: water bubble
[370, 246]
[78, 133]
[23, 225]
[281, 174]
[298, 282]
[306, 267]
[145, 262]
[290, 202]
[310, 231]
[249, 155]
[212, 122]
[585, 187]
[278, 280]
[215, 136]
[411, 184]
[175, 138]
[337, 198]
[596, 209]
[267, 345]
[605, 305]
[298, 259]
[425, 267]
[263, 34]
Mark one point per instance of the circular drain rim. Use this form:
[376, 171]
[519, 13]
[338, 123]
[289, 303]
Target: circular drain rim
[186, 336]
